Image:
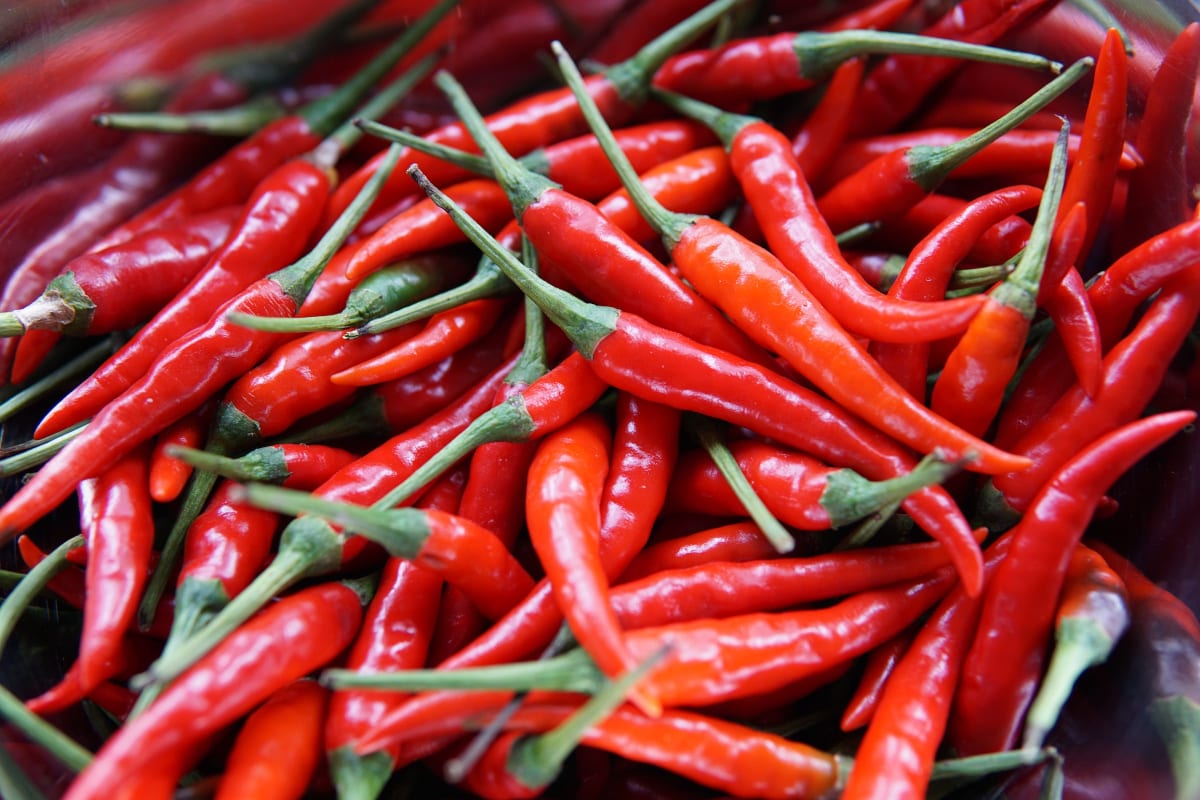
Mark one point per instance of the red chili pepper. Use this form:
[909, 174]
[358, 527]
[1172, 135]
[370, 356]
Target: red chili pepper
[1093, 613]
[877, 671]
[902, 740]
[898, 84]
[889, 185]
[563, 501]
[395, 635]
[1157, 188]
[1017, 152]
[631, 354]
[1075, 321]
[878, 15]
[423, 227]
[181, 378]
[445, 333]
[824, 130]
[995, 245]
[749, 284]
[278, 747]
[133, 655]
[776, 189]
[629, 30]
[783, 63]
[927, 271]
[737, 541]
[289, 639]
[116, 515]
[116, 288]
[1003, 666]
[798, 490]
[168, 475]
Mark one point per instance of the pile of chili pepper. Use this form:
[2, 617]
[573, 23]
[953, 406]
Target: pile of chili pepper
[765, 408]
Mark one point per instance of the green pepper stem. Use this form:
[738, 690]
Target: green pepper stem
[1177, 720]
[571, 672]
[66, 375]
[979, 277]
[929, 165]
[779, 536]
[38, 451]
[488, 281]
[324, 115]
[34, 582]
[537, 760]
[669, 224]
[1081, 643]
[241, 120]
[472, 162]
[261, 464]
[308, 547]
[296, 279]
[988, 763]
[820, 53]
[533, 362]
[402, 532]
[849, 496]
[359, 777]
[1020, 289]
[69, 753]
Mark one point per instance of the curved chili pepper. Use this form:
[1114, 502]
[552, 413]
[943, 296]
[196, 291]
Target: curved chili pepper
[995, 245]
[898, 84]
[1074, 318]
[570, 232]
[631, 354]
[748, 283]
[782, 63]
[444, 334]
[900, 745]
[549, 116]
[970, 389]
[267, 653]
[1018, 605]
[278, 747]
[776, 189]
[892, 183]
[115, 511]
[1093, 613]
[799, 491]
[927, 270]
[1075, 419]
[563, 502]
[116, 288]
[877, 671]
[1157, 188]
[179, 381]
[168, 475]
[133, 655]
[1094, 173]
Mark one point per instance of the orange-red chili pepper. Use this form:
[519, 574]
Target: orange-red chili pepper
[737, 541]
[168, 476]
[278, 748]
[824, 130]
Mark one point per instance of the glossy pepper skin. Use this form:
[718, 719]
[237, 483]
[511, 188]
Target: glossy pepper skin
[269, 652]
